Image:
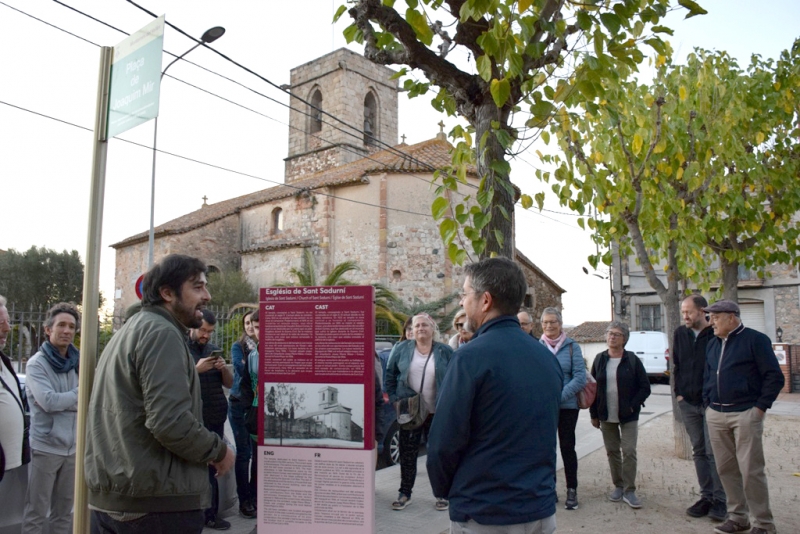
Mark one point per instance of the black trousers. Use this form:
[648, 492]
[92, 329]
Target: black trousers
[409, 449]
[567, 421]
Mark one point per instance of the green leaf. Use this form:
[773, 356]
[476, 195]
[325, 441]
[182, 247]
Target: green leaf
[388, 3]
[339, 12]
[418, 22]
[611, 22]
[498, 235]
[352, 34]
[662, 29]
[581, 223]
[448, 229]
[526, 201]
[439, 207]
[481, 219]
[501, 90]
[546, 137]
[484, 64]
[693, 7]
[584, 20]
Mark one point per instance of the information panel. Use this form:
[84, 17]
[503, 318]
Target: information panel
[316, 422]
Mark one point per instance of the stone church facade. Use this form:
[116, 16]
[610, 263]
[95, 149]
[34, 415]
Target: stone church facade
[350, 193]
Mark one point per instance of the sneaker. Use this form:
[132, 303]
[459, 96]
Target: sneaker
[616, 495]
[700, 508]
[757, 530]
[719, 511]
[572, 499]
[401, 502]
[631, 499]
[247, 511]
[441, 505]
[218, 524]
[731, 527]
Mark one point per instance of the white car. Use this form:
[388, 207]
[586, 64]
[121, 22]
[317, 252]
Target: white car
[652, 348]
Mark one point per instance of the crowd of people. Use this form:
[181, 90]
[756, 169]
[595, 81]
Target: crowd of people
[494, 401]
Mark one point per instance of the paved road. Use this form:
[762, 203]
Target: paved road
[422, 518]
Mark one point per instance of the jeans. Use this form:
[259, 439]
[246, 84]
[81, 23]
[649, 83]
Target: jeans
[736, 438]
[409, 450]
[567, 421]
[245, 487]
[542, 526]
[620, 441]
[694, 420]
[211, 513]
[189, 522]
[51, 486]
[254, 472]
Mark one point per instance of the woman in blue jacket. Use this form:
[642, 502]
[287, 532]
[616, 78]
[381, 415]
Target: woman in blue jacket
[409, 361]
[569, 356]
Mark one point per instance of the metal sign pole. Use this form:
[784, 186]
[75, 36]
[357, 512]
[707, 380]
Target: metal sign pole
[91, 286]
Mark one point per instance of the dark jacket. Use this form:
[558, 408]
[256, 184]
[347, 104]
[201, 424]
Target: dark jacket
[19, 393]
[399, 362]
[215, 405]
[744, 374]
[146, 447]
[492, 444]
[689, 362]
[633, 387]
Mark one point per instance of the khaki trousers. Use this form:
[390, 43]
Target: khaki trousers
[620, 441]
[736, 440]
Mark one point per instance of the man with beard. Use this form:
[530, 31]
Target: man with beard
[52, 389]
[214, 374]
[147, 450]
[492, 444]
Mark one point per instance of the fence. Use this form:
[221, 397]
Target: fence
[27, 331]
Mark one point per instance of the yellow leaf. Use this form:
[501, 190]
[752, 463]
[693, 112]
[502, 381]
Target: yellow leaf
[637, 144]
[771, 215]
[648, 100]
[598, 157]
[612, 230]
[523, 5]
[660, 60]
[682, 93]
[759, 138]
[777, 86]
[683, 202]
[679, 175]
[709, 154]
[680, 157]
[660, 147]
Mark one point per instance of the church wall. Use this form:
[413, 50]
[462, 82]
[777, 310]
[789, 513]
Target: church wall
[216, 243]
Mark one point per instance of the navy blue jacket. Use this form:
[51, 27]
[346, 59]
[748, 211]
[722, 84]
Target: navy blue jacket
[744, 375]
[492, 444]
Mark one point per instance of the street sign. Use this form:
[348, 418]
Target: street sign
[138, 286]
[136, 78]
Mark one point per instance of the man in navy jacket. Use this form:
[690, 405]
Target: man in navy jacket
[492, 445]
[741, 381]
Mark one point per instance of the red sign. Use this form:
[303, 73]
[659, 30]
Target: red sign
[138, 286]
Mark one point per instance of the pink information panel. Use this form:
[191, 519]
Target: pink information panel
[316, 417]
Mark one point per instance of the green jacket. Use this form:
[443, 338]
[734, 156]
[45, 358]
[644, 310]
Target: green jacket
[146, 447]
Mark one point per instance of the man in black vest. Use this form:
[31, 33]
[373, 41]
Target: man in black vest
[214, 374]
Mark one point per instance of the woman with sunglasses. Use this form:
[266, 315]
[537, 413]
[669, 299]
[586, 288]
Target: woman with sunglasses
[622, 387]
[463, 334]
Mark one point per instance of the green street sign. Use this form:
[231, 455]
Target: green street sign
[136, 78]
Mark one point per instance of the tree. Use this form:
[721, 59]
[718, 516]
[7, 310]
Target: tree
[283, 400]
[41, 277]
[306, 275]
[526, 54]
[433, 308]
[230, 287]
[702, 162]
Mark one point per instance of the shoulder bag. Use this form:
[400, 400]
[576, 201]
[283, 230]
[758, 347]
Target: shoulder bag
[411, 411]
[587, 395]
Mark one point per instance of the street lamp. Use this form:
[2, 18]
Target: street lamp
[209, 36]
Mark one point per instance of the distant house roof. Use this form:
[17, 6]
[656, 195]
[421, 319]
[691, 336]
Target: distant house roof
[422, 157]
[522, 258]
[336, 408]
[589, 332]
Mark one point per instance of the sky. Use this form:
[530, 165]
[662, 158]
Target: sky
[45, 159]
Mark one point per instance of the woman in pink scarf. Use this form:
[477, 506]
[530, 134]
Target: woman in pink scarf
[569, 356]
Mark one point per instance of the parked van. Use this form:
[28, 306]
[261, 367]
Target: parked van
[653, 349]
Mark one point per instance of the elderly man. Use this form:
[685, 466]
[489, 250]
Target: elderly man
[14, 447]
[147, 450]
[742, 379]
[526, 322]
[52, 387]
[492, 445]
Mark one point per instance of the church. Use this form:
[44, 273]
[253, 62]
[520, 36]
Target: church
[350, 192]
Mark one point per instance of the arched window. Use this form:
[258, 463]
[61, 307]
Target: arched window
[277, 221]
[370, 119]
[315, 125]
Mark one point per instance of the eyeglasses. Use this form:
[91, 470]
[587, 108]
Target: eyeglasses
[548, 323]
[614, 334]
[463, 294]
[525, 323]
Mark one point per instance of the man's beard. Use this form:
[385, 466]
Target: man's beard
[187, 315]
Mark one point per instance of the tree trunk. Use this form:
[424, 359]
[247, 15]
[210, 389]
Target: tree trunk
[683, 445]
[492, 152]
[730, 278]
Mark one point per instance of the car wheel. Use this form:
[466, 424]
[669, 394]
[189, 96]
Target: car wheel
[391, 446]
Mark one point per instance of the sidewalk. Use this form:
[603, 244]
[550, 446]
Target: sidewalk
[421, 518]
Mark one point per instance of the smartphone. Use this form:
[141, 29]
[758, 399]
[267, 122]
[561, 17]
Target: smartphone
[216, 354]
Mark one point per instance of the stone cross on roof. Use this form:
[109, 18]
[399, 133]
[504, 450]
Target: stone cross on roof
[441, 135]
[205, 201]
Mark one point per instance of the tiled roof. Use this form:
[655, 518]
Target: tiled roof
[418, 158]
[589, 332]
[524, 259]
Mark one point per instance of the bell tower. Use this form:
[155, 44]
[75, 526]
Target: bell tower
[345, 85]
